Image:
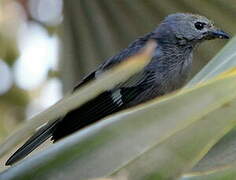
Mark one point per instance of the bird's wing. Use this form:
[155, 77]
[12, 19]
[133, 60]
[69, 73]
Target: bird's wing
[109, 101]
[105, 104]
[132, 49]
[107, 65]
[101, 106]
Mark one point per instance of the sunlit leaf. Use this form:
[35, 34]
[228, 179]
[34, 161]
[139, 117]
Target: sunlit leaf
[184, 149]
[222, 154]
[225, 173]
[223, 61]
[111, 144]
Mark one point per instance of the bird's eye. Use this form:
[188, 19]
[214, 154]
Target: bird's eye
[199, 25]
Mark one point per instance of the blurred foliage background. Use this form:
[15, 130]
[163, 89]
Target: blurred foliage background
[46, 46]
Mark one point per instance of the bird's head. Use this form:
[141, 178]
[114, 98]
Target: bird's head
[186, 28]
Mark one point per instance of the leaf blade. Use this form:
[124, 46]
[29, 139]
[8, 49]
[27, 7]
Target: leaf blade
[224, 60]
[89, 153]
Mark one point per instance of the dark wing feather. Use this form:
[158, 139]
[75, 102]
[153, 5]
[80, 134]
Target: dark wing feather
[121, 56]
[103, 105]
[106, 103]
[92, 111]
[32, 143]
[87, 79]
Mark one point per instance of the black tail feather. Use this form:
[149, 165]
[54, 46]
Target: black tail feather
[32, 143]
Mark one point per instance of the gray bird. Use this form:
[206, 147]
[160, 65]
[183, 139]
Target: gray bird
[176, 38]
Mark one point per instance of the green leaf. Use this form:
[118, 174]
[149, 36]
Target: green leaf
[223, 61]
[225, 173]
[184, 149]
[221, 155]
[117, 142]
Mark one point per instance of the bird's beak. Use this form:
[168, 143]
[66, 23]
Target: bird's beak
[217, 33]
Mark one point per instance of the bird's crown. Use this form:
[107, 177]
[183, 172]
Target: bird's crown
[185, 28]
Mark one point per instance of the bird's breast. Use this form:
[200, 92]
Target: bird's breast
[178, 74]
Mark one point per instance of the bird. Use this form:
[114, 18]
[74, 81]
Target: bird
[176, 37]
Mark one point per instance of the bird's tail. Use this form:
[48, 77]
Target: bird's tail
[32, 143]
